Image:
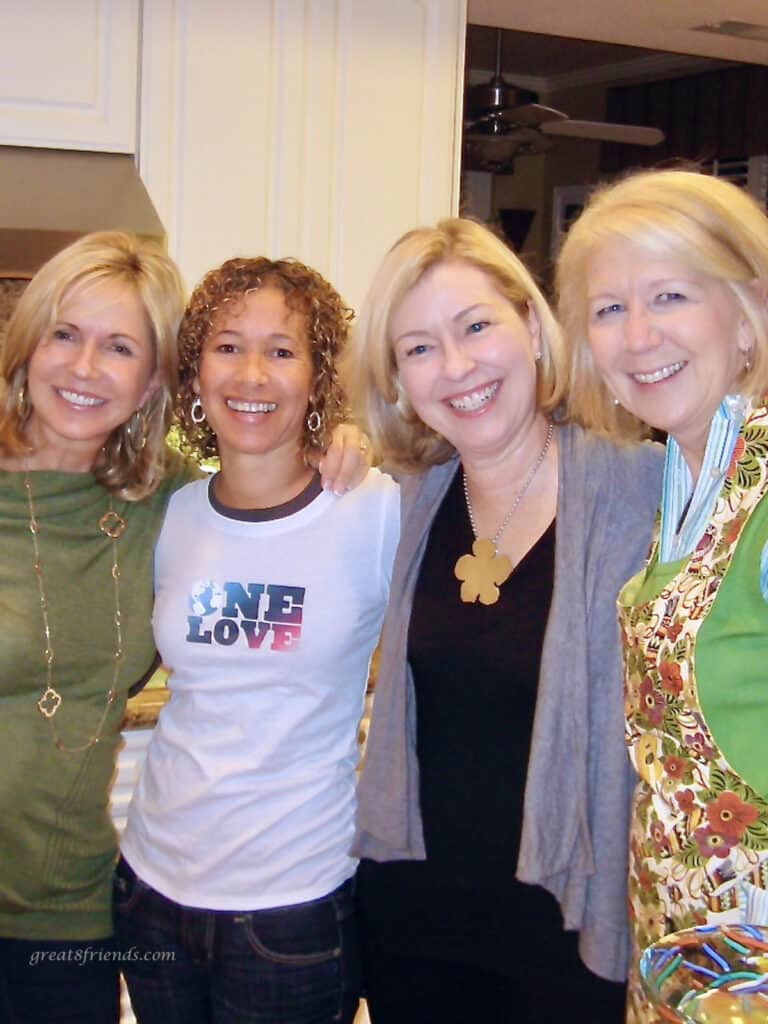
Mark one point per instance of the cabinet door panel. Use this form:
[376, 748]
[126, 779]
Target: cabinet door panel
[68, 74]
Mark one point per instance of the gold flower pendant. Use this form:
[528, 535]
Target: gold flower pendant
[482, 572]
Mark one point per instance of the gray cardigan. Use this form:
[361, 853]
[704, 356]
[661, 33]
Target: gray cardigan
[579, 785]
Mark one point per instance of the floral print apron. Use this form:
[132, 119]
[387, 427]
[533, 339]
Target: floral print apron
[699, 834]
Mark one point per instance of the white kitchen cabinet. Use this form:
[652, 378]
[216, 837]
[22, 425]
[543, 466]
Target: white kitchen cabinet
[320, 129]
[69, 74]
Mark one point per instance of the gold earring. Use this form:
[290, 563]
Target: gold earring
[136, 429]
[22, 407]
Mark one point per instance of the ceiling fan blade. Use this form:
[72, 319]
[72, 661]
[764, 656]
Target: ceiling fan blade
[533, 114]
[511, 135]
[603, 131]
[501, 122]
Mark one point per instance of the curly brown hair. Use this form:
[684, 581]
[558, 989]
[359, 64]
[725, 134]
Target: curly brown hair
[306, 292]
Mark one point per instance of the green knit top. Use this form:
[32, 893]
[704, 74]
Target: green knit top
[57, 842]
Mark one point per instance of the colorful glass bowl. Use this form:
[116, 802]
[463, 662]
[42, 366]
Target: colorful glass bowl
[709, 975]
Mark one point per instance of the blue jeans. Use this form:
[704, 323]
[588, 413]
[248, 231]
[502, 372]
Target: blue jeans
[58, 982]
[286, 965]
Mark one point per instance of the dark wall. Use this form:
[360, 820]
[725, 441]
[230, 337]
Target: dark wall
[720, 114]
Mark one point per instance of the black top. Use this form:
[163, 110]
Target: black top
[476, 671]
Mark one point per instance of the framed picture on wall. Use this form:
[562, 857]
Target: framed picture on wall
[567, 203]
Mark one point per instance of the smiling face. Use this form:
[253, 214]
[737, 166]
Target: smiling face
[88, 374]
[255, 377]
[466, 359]
[669, 342]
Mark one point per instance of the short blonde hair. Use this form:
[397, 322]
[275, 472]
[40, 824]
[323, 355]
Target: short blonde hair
[132, 463]
[709, 225]
[399, 436]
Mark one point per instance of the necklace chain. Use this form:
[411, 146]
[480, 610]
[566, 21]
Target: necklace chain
[112, 525]
[518, 497]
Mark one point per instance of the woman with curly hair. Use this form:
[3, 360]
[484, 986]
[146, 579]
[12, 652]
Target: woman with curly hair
[235, 890]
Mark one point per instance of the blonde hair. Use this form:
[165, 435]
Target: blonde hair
[399, 436]
[132, 462]
[709, 225]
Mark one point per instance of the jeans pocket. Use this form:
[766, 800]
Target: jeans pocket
[301, 935]
[127, 888]
[288, 964]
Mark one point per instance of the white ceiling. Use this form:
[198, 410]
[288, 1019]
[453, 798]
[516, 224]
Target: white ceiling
[656, 24]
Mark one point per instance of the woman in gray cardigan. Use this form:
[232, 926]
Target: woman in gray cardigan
[494, 803]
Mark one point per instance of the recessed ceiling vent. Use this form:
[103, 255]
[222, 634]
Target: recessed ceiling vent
[740, 29]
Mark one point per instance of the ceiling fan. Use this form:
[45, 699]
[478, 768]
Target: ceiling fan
[503, 121]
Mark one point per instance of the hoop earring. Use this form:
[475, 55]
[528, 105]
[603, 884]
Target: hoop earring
[197, 412]
[136, 429]
[314, 422]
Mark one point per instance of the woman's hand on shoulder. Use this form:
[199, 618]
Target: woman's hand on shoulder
[347, 459]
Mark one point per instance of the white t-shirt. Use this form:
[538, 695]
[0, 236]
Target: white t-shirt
[247, 796]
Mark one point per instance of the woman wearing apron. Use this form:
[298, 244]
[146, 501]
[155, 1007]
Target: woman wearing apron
[662, 287]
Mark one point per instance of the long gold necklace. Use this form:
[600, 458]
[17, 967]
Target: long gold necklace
[483, 572]
[112, 525]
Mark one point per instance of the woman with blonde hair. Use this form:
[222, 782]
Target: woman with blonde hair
[663, 284]
[88, 371]
[98, 267]
[88, 368]
[494, 800]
